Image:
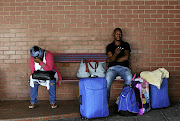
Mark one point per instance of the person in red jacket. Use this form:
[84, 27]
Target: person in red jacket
[43, 60]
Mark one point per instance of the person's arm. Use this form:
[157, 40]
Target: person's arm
[112, 57]
[49, 62]
[125, 57]
[32, 65]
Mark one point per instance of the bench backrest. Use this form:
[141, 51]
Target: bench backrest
[77, 57]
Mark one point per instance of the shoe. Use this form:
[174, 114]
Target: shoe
[32, 105]
[53, 105]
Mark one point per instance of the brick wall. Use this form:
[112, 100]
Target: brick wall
[75, 26]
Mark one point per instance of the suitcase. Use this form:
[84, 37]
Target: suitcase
[93, 98]
[159, 97]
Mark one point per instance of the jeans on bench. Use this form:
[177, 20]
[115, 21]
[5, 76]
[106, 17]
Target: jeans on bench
[52, 92]
[115, 71]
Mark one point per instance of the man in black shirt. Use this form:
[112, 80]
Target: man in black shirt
[118, 53]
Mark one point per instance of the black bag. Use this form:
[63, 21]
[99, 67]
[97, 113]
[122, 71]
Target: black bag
[43, 75]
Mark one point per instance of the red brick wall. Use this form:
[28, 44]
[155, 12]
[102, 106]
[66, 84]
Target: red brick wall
[76, 26]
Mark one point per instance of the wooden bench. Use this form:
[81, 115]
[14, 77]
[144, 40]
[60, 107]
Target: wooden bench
[69, 88]
[76, 58]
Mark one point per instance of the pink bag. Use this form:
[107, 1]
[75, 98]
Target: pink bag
[139, 86]
[144, 94]
[145, 97]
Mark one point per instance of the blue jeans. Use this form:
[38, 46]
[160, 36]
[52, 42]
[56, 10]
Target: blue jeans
[115, 71]
[52, 92]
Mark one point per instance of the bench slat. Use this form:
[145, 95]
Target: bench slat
[74, 80]
[77, 57]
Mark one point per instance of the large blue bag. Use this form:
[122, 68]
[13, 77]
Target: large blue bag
[159, 97]
[93, 97]
[127, 105]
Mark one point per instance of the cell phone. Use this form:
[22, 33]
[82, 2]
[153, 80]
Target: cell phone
[120, 48]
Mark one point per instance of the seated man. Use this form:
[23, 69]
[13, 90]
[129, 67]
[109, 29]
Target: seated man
[118, 53]
[43, 60]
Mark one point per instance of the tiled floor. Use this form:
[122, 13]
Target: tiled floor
[69, 111]
[18, 110]
[11, 110]
[171, 113]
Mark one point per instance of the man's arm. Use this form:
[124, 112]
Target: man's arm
[112, 57]
[125, 57]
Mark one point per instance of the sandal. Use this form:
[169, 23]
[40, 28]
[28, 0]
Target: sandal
[53, 105]
[32, 105]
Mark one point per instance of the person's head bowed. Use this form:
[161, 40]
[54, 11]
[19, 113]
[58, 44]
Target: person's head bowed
[36, 52]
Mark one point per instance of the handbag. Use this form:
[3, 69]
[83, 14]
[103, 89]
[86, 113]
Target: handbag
[43, 75]
[91, 68]
[83, 71]
[97, 69]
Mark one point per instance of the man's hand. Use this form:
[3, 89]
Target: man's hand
[37, 60]
[117, 51]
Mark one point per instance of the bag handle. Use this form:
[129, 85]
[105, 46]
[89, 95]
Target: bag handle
[80, 99]
[137, 77]
[89, 61]
[96, 65]
[133, 77]
[142, 79]
[85, 61]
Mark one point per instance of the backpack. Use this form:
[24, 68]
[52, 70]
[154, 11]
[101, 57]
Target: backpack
[127, 105]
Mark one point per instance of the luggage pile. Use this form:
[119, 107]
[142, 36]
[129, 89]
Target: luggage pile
[147, 94]
[158, 83]
[136, 99]
[140, 88]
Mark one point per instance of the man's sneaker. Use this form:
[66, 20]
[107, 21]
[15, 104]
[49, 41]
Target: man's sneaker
[32, 105]
[53, 105]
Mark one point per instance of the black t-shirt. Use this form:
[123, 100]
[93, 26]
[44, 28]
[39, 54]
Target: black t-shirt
[111, 47]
